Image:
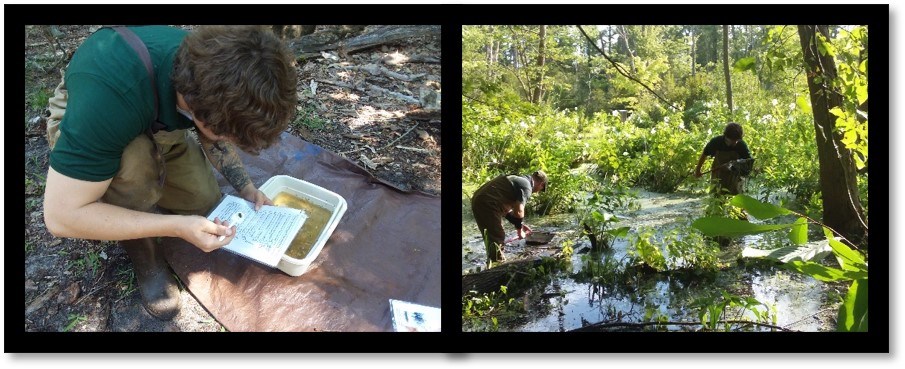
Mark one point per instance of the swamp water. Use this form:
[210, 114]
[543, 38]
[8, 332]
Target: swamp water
[311, 230]
[575, 298]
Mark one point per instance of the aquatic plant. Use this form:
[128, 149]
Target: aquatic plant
[852, 315]
[484, 312]
[714, 311]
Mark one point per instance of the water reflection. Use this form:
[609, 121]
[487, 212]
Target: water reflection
[602, 287]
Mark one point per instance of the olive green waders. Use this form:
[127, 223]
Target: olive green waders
[724, 180]
[490, 204]
[189, 188]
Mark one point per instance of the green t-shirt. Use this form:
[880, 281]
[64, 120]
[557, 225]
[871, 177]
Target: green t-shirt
[111, 100]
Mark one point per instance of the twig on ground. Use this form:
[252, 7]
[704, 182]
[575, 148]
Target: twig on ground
[403, 97]
[427, 59]
[376, 69]
[415, 149]
[388, 145]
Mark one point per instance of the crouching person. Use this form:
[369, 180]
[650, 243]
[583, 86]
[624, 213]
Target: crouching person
[124, 165]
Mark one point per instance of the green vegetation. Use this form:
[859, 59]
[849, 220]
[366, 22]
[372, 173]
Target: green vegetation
[74, 319]
[37, 98]
[306, 116]
[728, 312]
[35, 186]
[125, 277]
[90, 262]
[852, 314]
[656, 148]
[489, 311]
[638, 118]
[483, 312]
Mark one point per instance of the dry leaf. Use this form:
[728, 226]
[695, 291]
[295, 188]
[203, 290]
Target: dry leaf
[329, 56]
[367, 162]
[422, 134]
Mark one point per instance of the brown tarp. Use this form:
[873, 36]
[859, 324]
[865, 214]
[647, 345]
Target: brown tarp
[386, 246]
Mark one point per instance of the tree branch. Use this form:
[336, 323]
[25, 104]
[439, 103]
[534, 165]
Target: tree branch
[622, 70]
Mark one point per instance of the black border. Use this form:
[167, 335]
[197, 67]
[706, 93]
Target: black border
[452, 340]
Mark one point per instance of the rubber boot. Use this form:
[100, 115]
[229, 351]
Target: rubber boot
[156, 283]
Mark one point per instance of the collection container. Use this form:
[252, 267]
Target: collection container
[318, 196]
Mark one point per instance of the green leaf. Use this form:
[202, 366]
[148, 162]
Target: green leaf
[825, 47]
[853, 312]
[837, 112]
[821, 46]
[822, 272]
[863, 66]
[848, 259]
[799, 232]
[814, 252]
[596, 216]
[618, 232]
[744, 64]
[804, 104]
[861, 92]
[718, 226]
[757, 209]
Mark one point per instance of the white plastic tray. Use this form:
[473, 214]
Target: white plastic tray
[316, 195]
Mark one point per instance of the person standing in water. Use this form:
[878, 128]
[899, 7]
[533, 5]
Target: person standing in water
[504, 197]
[731, 160]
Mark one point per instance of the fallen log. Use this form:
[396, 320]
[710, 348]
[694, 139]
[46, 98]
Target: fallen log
[388, 34]
[311, 45]
[490, 280]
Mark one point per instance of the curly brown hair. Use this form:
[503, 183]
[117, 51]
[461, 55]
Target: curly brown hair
[240, 81]
[733, 131]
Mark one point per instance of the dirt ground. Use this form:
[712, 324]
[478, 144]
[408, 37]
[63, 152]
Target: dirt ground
[387, 122]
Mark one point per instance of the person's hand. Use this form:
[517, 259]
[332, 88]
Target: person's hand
[524, 231]
[204, 234]
[253, 194]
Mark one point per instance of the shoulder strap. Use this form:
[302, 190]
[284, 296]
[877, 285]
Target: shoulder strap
[132, 39]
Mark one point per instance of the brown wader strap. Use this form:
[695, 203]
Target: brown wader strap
[145, 57]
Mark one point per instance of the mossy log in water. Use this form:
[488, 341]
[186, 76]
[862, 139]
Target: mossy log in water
[490, 280]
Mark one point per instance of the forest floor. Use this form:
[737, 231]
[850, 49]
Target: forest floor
[392, 129]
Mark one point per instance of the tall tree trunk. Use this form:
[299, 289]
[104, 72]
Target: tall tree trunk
[726, 69]
[541, 60]
[609, 41]
[693, 41]
[842, 209]
[628, 49]
[491, 56]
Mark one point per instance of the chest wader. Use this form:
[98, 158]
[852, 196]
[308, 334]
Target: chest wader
[156, 283]
[724, 180]
[490, 204]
